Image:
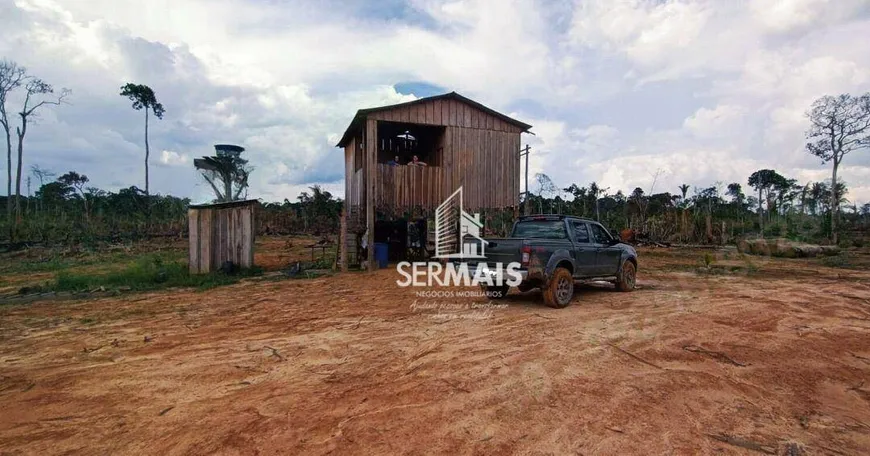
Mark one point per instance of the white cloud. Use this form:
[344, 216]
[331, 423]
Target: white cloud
[785, 15]
[662, 39]
[789, 15]
[723, 120]
[705, 90]
[170, 158]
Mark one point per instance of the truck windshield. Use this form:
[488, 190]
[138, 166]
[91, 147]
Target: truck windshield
[540, 229]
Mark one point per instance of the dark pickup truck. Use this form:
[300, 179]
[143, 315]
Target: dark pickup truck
[554, 251]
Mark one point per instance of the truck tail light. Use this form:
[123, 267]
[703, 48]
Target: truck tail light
[526, 255]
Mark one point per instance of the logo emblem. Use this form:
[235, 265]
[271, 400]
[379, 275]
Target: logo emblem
[457, 233]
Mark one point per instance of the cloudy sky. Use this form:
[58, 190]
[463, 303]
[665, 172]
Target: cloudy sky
[702, 90]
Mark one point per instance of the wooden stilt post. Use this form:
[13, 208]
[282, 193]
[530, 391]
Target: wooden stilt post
[342, 239]
[370, 173]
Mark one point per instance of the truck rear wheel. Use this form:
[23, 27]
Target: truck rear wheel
[560, 289]
[627, 277]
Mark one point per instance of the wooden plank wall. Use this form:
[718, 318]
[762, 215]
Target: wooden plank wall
[480, 153]
[451, 113]
[486, 164]
[357, 196]
[348, 170]
[369, 192]
[220, 234]
[404, 187]
[352, 176]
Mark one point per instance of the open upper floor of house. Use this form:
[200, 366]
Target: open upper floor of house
[421, 151]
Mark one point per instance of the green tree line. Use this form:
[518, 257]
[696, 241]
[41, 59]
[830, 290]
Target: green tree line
[767, 204]
[66, 210]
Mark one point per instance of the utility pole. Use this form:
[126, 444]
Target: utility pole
[525, 153]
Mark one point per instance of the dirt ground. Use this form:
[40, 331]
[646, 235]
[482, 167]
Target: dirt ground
[774, 360]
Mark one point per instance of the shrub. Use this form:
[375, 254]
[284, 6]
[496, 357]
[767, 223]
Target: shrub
[708, 259]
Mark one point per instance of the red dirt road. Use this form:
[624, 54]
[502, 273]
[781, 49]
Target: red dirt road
[346, 365]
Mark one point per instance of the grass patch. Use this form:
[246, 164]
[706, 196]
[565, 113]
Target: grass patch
[31, 266]
[148, 272]
[53, 261]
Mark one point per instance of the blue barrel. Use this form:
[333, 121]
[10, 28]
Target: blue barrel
[382, 254]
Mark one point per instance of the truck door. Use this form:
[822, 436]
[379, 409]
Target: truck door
[584, 251]
[608, 254]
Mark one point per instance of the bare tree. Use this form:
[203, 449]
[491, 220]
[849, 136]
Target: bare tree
[36, 91]
[546, 189]
[644, 202]
[11, 78]
[838, 125]
[42, 174]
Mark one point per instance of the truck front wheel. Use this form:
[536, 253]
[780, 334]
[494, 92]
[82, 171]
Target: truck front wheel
[627, 277]
[559, 289]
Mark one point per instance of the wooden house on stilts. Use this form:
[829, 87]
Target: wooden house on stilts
[462, 143]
